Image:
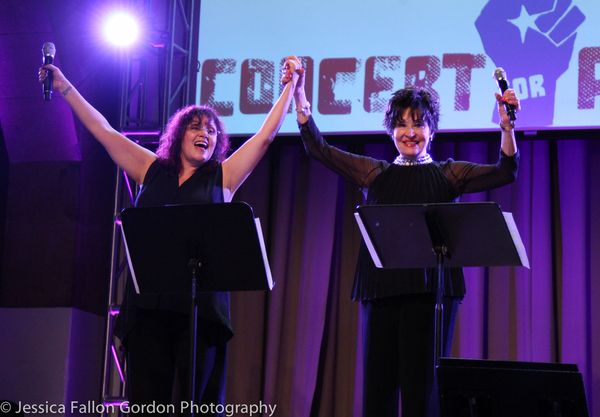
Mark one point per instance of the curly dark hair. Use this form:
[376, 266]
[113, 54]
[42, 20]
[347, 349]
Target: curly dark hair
[169, 146]
[421, 103]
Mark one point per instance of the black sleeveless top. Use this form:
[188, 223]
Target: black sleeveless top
[162, 188]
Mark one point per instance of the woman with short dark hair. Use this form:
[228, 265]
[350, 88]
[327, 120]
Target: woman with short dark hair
[398, 304]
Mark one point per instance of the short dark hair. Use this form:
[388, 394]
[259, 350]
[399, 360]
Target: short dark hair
[421, 103]
[169, 146]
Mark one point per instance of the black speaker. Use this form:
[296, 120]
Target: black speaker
[487, 388]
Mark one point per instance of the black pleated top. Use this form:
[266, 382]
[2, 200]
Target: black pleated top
[386, 183]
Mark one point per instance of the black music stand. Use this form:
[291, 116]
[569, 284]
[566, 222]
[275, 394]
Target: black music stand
[460, 235]
[200, 247]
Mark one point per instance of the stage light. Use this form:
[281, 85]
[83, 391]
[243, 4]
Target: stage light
[121, 29]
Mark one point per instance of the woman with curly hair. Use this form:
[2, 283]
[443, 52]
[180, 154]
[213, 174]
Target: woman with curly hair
[190, 166]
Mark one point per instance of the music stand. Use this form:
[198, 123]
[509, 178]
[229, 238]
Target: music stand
[460, 235]
[200, 247]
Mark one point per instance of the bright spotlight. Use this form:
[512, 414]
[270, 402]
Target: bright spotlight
[121, 29]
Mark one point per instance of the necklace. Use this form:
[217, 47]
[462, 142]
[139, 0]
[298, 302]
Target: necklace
[425, 159]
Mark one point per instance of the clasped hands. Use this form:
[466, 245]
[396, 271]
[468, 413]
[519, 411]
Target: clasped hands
[292, 69]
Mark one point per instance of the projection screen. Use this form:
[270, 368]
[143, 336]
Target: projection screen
[357, 53]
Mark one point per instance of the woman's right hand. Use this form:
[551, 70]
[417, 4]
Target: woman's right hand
[59, 81]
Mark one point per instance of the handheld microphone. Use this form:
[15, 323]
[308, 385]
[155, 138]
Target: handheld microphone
[500, 77]
[48, 52]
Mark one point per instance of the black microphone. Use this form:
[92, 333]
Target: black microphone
[48, 50]
[500, 77]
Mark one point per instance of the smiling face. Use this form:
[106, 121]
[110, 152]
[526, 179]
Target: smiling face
[411, 135]
[198, 142]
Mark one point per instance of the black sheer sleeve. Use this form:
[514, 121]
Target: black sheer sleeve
[468, 177]
[360, 170]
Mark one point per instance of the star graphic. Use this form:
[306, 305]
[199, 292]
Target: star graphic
[524, 21]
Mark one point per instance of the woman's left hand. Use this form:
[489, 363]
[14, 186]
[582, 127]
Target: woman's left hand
[292, 69]
[509, 97]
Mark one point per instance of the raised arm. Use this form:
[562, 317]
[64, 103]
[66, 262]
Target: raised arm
[468, 177]
[360, 170]
[302, 105]
[128, 155]
[240, 164]
[508, 143]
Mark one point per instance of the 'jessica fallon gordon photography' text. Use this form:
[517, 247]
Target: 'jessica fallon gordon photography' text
[92, 407]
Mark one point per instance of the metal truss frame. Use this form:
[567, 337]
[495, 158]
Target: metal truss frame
[156, 80]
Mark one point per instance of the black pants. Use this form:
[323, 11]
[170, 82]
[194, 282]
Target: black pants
[159, 346]
[399, 354]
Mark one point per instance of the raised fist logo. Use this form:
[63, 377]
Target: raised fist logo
[533, 41]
